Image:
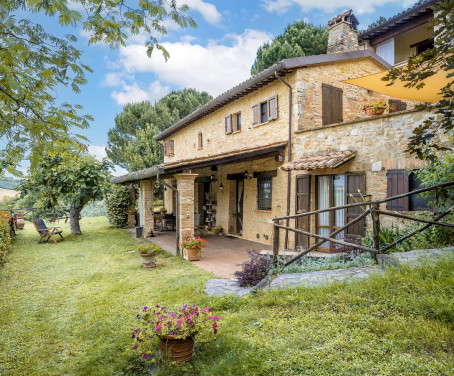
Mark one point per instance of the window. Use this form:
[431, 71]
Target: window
[264, 193]
[397, 105]
[332, 111]
[169, 148]
[233, 123]
[200, 140]
[402, 181]
[423, 45]
[265, 111]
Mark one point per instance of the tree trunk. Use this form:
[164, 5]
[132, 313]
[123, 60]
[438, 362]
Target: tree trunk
[74, 217]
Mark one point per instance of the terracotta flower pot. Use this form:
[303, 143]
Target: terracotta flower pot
[192, 254]
[374, 111]
[176, 350]
[148, 260]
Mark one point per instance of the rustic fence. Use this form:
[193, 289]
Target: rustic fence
[372, 209]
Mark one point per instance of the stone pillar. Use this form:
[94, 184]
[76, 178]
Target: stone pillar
[342, 34]
[147, 205]
[132, 207]
[185, 185]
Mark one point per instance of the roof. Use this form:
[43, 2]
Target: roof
[264, 78]
[319, 161]
[399, 19]
[138, 175]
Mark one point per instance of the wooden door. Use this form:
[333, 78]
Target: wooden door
[239, 206]
[355, 186]
[303, 197]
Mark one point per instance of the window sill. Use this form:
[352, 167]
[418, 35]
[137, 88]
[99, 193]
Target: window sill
[264, 210]
[236, 132]
[260, 124]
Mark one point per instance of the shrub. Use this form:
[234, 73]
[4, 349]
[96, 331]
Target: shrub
[388, 235]
[117, 204]
[253, 271]
[5, 235]
[94, 209]
[150, 249]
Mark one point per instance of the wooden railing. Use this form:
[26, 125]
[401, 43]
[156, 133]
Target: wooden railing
[371, 208]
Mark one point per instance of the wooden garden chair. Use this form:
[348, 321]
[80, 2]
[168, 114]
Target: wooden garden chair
[45, 231]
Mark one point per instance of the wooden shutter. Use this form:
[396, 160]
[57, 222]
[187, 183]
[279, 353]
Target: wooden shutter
[303, 205]
[228, 124]
[272, 108]
[256, 114]
[332, 104]
[397, 183]
[169, 148]
[353, 183]
[200, 140]
[397, 104]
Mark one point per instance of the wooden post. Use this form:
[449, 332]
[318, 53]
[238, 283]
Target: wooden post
[376, 227]
[275, 240]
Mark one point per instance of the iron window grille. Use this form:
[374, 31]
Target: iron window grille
[264, 193]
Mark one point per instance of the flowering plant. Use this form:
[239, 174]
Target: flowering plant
[181, 324]
[376, 103]
[194, 243]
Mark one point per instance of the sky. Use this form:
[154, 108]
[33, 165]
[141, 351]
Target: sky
[214, 57]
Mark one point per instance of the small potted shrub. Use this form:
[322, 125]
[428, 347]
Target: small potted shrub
[148, 254]
[174, 329]
[192, 248]
[375, 107]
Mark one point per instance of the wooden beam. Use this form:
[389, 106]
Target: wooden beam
[397, 215]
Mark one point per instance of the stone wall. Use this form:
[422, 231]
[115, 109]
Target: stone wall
[342, 38]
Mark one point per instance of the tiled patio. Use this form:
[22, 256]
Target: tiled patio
[223, 256]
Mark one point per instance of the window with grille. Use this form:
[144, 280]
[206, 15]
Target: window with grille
[264, 193]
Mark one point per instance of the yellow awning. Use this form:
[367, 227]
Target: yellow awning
[429, 93]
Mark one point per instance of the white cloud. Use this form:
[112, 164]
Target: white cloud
[99, 152]
[113, 79]
[134, 93]
[215, 67]
[329, 6]
[207, 10]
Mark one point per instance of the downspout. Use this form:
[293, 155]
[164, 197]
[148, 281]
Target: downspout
[177, 210]
[289, 176]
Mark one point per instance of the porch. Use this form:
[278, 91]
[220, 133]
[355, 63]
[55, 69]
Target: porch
[224, 254]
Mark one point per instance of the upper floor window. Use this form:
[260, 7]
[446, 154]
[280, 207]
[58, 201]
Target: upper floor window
[169, 148]
[233, 123]
[332, 106]
[265, 111]
[200, 140]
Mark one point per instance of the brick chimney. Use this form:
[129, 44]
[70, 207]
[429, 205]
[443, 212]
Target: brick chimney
[343, 35]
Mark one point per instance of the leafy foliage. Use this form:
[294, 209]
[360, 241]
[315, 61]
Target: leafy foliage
[253, 271]
[94, 209]
[148, 249]
[298, 39]
[74, 180]
[388, 235]
[5, 235]
[378, 22]
[131, 141]
[423, 142]
[34, 63]
[117, 201]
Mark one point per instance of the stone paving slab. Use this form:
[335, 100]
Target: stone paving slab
[312, 279]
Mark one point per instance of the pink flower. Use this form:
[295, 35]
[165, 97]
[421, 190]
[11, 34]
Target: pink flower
[205, 309]
[159, 327]
[135, 347]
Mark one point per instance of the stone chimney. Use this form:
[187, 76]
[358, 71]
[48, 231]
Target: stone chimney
[343, 35]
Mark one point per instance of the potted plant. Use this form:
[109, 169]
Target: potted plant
[174, 329]
[192, 248]
[148, 254]
[375, 107]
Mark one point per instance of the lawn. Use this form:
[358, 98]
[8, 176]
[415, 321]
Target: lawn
[69, 309]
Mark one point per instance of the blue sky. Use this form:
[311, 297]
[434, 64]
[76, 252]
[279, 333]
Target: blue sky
[214, 57]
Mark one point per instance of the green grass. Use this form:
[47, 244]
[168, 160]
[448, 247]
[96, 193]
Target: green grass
[69, 309]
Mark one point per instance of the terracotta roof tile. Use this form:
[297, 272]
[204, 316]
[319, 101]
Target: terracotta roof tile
[318, 161]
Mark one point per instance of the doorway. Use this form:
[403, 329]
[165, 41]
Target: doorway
[239, 206]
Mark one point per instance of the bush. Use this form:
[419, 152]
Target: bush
[94, 209]
[118, 202]
[388, 235]
[253, 271]
[150, 249]
[5, 235]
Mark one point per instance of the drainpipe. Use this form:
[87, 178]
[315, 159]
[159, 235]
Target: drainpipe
[289, 177]
[177, 210]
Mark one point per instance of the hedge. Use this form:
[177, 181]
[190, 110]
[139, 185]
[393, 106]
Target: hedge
[5, 235]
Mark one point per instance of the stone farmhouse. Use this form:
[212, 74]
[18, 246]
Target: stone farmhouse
[295, 138]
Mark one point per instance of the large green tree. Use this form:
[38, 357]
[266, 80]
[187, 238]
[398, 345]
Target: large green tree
[34, 63]
[74, 180]
[298, 39]
[131, 142]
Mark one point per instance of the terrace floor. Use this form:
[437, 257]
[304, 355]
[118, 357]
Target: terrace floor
[223, 256]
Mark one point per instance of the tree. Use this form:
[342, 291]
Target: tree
[131, 142]
[298, 39]
[74, 180]
[34, 63]
[424, 142]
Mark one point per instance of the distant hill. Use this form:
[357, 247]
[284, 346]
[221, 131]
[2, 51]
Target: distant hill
[9, 183]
